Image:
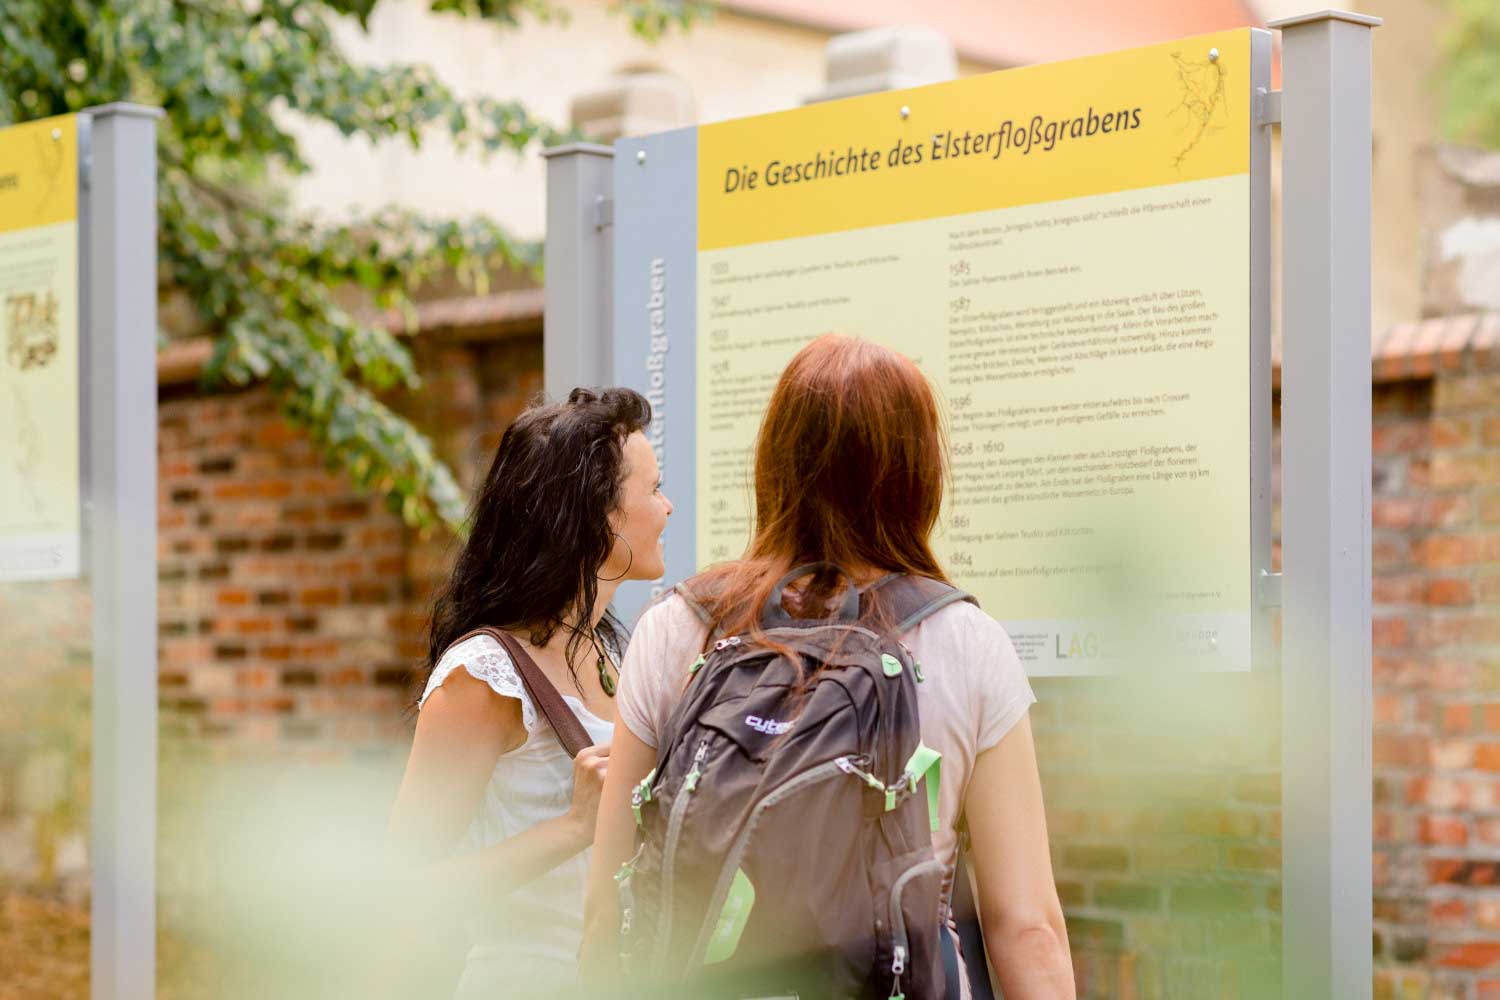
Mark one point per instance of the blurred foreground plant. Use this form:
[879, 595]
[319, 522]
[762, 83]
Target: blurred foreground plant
[271, 285]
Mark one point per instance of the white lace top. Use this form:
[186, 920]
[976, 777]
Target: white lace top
[529, 946]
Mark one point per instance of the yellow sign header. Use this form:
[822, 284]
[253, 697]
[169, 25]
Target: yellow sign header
[39, 173]
[1157, 115]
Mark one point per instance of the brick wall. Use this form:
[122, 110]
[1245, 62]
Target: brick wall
[1163, 797]
[1437, 687]
[1164, 801]
[291, 607]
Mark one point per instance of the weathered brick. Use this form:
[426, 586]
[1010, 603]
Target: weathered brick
[1112, 895]
[1400, 749]
[1466, 393]
[1450, 471]
[1448, 912]
[320, 597]
[1451, 432]
[1448, 592]
[1471, 955]
[1399, 438]
[1205, 900]
[1399, 588]
[1459, 550]
[1457, 718]
[1444, 830]
[1460, 871]
[1255, 859]
[1390, 632]
[1092, 858]
[1398, 513]
[1456, 754]
[1487, 756]
[1091, 932]
[1387, 709]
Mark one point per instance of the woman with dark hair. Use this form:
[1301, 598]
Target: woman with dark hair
[491, 807]
[849, 469]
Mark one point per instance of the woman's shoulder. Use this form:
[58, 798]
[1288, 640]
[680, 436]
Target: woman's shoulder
[483, 658]
[965, 631]
[965, 615]
[672, 616]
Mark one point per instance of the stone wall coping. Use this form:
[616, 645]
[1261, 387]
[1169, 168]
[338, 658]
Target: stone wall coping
[516, 312]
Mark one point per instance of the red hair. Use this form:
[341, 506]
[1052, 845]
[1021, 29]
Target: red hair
[849, 469]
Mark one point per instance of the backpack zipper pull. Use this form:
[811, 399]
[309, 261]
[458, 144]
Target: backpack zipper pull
[898, 966]
[847, 766]
[690, 780]
[726, 642]
[640, 795]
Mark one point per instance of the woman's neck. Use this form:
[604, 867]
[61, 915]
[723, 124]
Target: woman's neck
[572, 623]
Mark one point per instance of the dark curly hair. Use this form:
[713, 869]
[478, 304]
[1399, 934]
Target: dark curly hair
[539, 529]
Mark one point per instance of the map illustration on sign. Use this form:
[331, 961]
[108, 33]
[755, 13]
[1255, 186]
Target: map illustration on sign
[40, 512]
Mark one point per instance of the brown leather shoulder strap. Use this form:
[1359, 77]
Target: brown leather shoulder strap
[570, 732]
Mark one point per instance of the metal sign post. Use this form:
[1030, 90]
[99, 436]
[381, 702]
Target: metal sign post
[1325, 405]
[119, 301]
[576, 341]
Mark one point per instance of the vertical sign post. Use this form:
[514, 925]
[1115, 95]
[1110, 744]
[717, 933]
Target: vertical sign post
[1325, 387]
[119, 300]
[576, 340]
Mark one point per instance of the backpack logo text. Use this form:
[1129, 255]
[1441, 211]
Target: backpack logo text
[768, 726]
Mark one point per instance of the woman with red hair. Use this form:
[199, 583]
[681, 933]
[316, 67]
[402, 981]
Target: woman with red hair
[849, 470]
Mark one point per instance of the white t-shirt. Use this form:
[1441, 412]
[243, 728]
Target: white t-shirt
[975, 689]
[529, 946]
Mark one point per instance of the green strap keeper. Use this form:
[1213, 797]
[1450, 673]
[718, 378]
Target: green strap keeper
[926, 764]
[697, 664]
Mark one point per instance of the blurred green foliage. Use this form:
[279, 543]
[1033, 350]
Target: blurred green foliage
[1469, 74]
[232, 76]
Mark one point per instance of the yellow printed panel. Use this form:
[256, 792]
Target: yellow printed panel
[40, 497]
[1163, 114]
[39, 173]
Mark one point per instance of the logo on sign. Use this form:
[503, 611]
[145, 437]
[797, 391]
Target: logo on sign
[1079, 646]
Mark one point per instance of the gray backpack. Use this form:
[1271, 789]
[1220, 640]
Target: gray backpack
[785, 835]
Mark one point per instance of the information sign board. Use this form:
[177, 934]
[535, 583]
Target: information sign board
[1065, 249]
[40, 512]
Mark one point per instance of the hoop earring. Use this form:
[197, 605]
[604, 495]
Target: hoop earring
[628, 564]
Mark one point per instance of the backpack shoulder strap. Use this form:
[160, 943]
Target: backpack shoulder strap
[697, 606]
[910, 600]
[570, 732]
